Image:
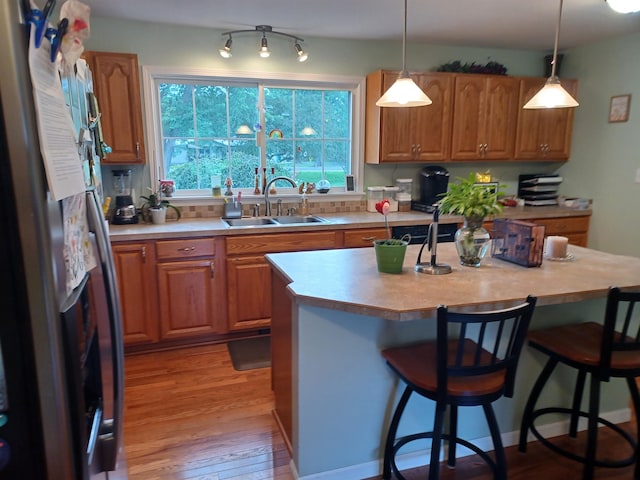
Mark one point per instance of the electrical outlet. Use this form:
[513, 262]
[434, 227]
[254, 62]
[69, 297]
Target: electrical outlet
[638, 175]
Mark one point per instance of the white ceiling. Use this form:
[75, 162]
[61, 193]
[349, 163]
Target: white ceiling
[527, 24]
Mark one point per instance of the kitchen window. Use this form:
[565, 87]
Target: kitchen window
[208, 126]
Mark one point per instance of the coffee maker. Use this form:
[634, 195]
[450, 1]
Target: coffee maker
[125, 210]
[433, 182]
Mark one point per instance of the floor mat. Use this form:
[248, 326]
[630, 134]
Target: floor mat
[250, 353]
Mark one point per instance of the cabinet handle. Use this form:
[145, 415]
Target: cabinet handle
[143, 253]
[368, 239]
[213, 269]
[187, 249]
[137, 150]
[419, 148]
[413, 148]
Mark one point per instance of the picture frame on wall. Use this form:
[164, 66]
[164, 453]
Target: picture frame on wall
[619, 108]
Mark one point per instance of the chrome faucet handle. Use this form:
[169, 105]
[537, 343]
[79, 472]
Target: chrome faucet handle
[279, 207]
[256, 210]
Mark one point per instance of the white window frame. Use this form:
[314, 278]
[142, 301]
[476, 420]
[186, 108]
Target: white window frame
[151, 75]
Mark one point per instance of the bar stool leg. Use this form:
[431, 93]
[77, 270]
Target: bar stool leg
[592, 429]
[391, 436]
[577, 401]
[453, 434]
[438, 426]
[527, 416]
[501, 459]
[635, 397]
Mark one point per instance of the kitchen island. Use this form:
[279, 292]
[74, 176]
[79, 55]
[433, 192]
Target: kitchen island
[333, 313]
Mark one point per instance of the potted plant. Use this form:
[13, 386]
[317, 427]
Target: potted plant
[474, 201]
[155, 207]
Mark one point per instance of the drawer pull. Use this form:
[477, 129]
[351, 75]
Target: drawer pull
[212, 268]
[143, 252]
[187, 249]
[368, 239]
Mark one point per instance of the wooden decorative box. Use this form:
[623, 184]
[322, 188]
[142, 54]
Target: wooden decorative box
[518, 242]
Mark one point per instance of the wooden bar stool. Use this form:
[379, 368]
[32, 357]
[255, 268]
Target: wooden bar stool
[472, 362]
[604, 350]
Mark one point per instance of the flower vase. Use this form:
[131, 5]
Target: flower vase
[472, 241]
[390, 255]
[158, 215]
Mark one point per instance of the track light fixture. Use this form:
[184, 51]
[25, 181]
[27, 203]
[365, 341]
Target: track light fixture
[225, 52]
[264, 51]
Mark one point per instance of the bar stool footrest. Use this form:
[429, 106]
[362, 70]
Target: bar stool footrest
[581, 458]
[402, 441]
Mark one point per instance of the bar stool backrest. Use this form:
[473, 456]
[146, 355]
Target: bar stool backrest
[621, 332]
[477, 344]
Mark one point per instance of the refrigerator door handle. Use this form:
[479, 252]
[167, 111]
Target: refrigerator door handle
[110, 437]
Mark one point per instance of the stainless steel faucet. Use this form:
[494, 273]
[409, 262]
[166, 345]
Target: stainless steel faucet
[267, 203]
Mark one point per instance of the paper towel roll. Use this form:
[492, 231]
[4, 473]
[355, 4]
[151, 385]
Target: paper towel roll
[556, 247]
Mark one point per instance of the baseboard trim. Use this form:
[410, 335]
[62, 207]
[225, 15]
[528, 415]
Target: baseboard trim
[417, 458]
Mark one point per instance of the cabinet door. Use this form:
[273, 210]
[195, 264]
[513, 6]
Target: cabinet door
[501, 118]
[137, 287]
[187, 298]
[484, 117]
[412, 134]
[117, 87]
[543, 134]
[248, 292]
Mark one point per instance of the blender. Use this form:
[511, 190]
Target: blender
[125, 211]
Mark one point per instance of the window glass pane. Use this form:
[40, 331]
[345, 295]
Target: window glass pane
[245, 156]
[337, 114]
[211, 111]
[243, 109]
[278, 104]
[176, 107]
[308, 113]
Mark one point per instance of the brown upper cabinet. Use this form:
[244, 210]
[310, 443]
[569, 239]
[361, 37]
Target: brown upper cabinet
[116, 85]
[417, 134]
[472, 117]
[485, 109]
[544, 134]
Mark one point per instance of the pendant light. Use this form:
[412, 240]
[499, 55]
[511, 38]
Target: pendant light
[404, 92]
[624, 6]
[552, 95]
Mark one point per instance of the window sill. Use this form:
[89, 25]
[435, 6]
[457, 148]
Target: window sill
[252, 199]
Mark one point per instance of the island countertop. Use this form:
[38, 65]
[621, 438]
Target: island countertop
[348, 280]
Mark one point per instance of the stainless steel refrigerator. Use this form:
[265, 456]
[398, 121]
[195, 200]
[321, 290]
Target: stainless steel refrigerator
[61, 354]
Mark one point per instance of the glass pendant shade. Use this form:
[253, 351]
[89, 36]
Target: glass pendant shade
[552, 95]
[404, 93]
[624, 6]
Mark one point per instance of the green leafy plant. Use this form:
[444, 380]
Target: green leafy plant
[471, 199]
[155, 200]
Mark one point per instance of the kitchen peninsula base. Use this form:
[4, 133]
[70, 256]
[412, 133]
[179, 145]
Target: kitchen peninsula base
[334, 393]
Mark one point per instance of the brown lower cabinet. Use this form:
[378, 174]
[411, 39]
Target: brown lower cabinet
[135, 269]
[194, 290]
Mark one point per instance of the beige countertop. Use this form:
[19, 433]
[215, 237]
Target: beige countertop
[348, 280]
[214, 226]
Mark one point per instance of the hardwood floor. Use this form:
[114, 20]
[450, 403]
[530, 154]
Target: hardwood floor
[190, 416]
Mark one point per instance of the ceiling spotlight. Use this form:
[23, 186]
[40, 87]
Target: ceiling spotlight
[264, 48]
[225, 52]
[302, 55]
[624, 6]
[264, 52]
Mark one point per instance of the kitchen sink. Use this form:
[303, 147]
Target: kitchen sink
[279, 220]
[249, 221]
[288, 219]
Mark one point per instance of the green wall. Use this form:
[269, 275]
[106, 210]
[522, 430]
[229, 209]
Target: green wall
[602, 165]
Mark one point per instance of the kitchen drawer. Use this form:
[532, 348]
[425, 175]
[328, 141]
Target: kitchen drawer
[363, 237]
[185, 248]
[564, 225]
[284, 242]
